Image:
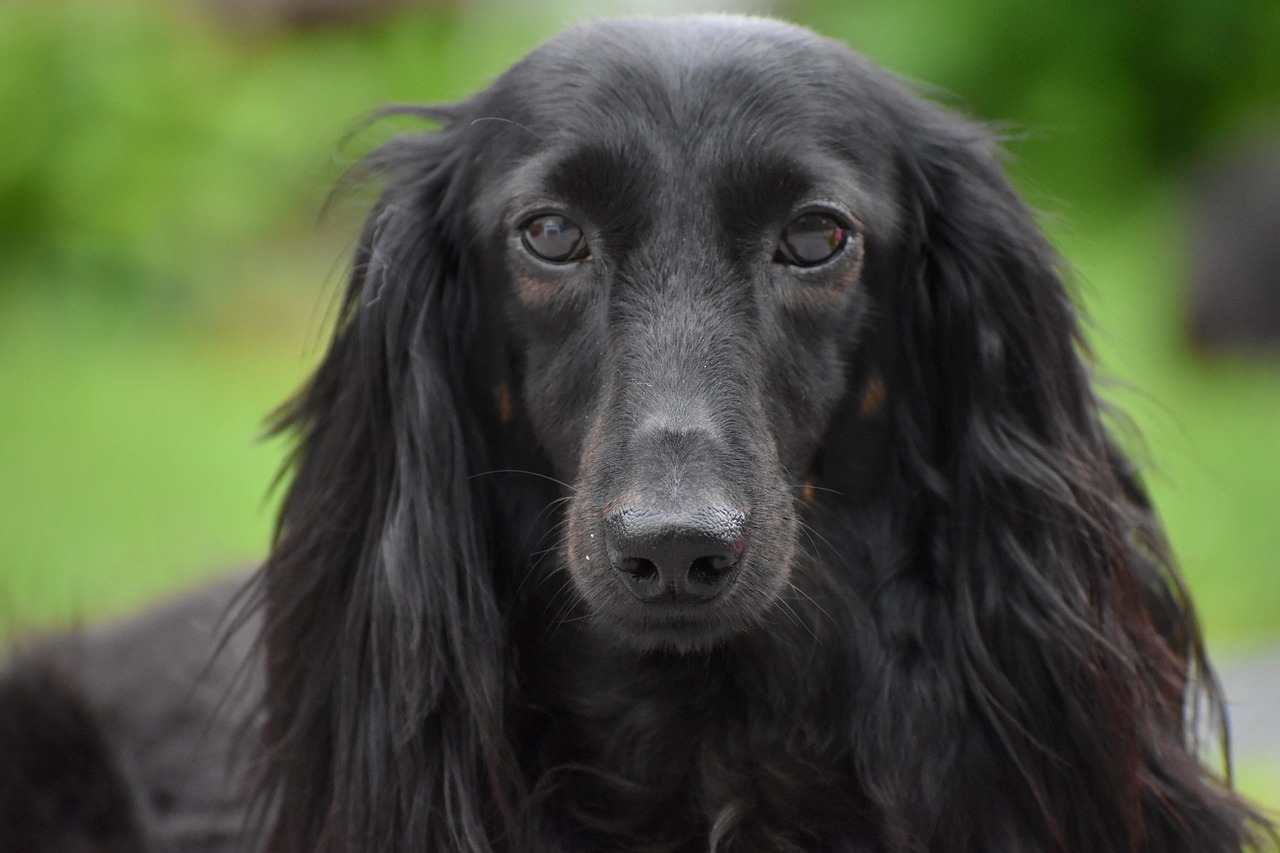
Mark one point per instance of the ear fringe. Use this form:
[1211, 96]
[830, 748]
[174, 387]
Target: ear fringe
[384, 643]
[1051, 588]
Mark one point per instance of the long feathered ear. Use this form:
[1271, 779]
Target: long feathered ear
[1041, 653]
[384, 644]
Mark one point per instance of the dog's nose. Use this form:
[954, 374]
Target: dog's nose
[673, 557]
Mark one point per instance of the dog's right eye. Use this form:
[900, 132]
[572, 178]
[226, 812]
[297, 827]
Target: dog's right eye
[555, 239]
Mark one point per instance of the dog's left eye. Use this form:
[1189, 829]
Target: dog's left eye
[811, 239]
[554, 238]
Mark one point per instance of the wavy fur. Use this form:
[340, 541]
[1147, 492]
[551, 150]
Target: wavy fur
[957, 625]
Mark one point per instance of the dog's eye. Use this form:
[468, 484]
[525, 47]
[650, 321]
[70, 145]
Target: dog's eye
[811, 239]
[555, 238]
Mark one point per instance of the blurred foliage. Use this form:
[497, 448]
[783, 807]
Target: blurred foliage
[1109, 92]
[141, 140]
[161, 170]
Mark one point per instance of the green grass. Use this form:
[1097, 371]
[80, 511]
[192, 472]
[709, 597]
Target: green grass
[131, 455]
[1211, 424]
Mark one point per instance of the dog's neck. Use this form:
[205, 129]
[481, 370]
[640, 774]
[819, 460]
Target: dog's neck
[634, 740]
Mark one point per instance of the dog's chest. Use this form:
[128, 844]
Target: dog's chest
[680, 754]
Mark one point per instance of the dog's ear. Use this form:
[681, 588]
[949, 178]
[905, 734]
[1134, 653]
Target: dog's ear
[1037, 574]
[384, 644]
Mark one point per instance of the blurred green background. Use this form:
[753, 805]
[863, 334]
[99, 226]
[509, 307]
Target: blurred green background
[165, 281]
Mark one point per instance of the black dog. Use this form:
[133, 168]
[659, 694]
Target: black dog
[704, 459]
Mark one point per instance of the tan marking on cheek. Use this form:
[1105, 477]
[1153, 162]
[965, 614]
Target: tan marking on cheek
[810, 490]
[502, 398]
[534, 290]
[827, 296]
[873, 398]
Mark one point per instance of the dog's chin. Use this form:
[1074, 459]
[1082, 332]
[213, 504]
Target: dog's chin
[682, 633]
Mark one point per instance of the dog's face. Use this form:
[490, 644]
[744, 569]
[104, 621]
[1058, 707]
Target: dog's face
[683, 220]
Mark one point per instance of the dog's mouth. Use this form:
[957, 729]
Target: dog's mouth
[678, 627]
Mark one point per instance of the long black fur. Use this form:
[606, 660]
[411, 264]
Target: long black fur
[950, 620]
[980, 644]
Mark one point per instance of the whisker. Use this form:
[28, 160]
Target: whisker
[815, 488]
[811, 600]
[561, 483]
[811, 531]
[537, 554]
[798, 620]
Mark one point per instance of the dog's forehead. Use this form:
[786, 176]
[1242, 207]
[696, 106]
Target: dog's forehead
[723, 92]
[682, 75]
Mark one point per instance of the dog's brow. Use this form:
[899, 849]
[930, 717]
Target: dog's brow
[764, 179]
[760, 190]
[611, 182]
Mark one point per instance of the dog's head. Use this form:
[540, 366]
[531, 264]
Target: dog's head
[676, 264]
[684, 223]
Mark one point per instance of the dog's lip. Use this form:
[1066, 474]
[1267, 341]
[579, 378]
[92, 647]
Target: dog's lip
[670, 612]
[682, 626]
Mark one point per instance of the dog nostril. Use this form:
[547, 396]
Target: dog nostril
[639, 568]
[709, 570]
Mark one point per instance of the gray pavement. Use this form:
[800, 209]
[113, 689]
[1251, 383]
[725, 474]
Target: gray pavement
[1252, 687]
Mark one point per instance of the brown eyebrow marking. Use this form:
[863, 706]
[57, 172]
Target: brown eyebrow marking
[534, 289]
[810, 490]
[873, 397]
[502, 396]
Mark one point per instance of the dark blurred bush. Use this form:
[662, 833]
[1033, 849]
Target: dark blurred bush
[1235, 250]
[121, 149]
[1108, 91]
